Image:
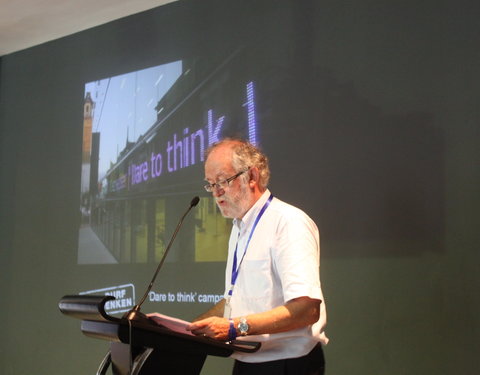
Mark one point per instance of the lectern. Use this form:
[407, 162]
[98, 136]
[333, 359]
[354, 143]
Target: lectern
[144, 347]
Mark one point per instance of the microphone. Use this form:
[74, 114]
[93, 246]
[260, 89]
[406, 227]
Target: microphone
[134, 313]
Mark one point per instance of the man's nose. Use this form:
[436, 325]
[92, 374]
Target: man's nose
[217, 191]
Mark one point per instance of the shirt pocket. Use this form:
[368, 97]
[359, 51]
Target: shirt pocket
[255, 279]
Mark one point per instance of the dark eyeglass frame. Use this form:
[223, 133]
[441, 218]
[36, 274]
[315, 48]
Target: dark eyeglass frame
[223, 183]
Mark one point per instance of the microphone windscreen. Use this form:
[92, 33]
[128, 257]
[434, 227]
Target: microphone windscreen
[194, 201]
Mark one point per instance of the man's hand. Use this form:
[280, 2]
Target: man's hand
[213, 327]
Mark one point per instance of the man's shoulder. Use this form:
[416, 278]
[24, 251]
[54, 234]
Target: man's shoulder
[288, 211]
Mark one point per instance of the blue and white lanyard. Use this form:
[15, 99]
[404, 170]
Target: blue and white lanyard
[235, 269]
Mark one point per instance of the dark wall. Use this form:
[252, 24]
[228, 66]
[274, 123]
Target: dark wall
[370, 116]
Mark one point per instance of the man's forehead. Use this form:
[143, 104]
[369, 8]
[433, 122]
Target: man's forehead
[219, 157]
[218, 168]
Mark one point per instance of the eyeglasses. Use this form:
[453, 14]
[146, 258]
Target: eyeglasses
[223, 183]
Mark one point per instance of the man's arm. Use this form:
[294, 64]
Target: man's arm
[297, 313]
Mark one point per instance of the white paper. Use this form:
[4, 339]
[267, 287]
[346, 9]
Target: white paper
[174, 324]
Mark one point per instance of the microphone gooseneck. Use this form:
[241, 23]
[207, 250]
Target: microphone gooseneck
[134, 313]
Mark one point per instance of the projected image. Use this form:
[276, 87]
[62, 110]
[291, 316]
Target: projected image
[331, 153]
[144, 138]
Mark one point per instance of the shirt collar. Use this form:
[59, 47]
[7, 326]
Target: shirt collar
[252, 213]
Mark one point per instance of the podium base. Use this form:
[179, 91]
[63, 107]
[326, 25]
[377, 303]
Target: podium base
[142, 361]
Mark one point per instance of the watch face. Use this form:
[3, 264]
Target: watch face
[243, 327]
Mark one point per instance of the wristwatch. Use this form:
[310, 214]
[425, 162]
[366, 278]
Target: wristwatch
[243, 326]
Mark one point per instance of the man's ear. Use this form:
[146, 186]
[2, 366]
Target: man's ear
[254, 177]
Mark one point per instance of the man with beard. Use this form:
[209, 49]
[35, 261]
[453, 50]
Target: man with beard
[272, 287]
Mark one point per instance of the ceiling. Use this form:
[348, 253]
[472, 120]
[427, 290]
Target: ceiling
[26, 23]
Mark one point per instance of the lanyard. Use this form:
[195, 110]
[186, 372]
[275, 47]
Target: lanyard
[235, 269]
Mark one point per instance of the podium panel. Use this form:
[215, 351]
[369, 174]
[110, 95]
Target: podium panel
[143, 347]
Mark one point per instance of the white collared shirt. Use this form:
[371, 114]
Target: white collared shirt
[281, 263]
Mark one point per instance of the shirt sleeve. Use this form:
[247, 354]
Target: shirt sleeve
[296, 256]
